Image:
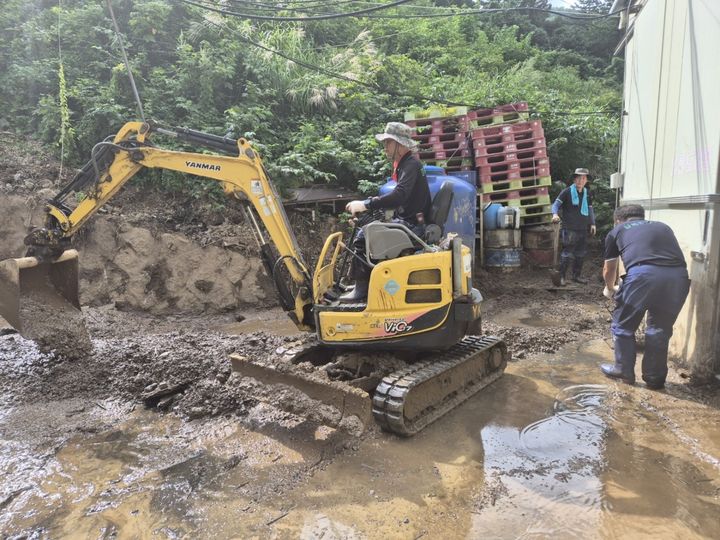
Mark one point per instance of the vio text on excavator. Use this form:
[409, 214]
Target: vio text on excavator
[421, 303]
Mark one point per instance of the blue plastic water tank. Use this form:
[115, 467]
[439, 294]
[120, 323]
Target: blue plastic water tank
[490, 216]
[497, 216]
[463, 211]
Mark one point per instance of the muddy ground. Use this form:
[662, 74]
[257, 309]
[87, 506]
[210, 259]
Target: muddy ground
[151, 435]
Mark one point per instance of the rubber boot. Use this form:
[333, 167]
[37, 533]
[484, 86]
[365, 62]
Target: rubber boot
[577, 270]
[358, 294]
[564, 264]
[615, 371]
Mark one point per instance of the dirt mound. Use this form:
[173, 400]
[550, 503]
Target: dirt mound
[187, 372]
[137, 268]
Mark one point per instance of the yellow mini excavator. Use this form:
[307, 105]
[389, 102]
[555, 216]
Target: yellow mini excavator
[421, 302]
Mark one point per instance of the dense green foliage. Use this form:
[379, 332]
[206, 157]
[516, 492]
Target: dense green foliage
[204, 70]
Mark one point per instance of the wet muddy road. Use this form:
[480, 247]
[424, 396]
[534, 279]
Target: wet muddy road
[551, 450]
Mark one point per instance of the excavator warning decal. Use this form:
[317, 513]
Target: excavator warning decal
[256, 187]
[264, 204]
[392, 287]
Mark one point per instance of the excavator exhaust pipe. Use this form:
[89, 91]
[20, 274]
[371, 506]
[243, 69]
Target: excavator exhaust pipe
[53, 285]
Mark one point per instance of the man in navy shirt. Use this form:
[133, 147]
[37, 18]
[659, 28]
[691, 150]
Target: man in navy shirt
[578, 218]
[656, 282]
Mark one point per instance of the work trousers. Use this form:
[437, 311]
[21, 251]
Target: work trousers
[659, 291]
[574, 250]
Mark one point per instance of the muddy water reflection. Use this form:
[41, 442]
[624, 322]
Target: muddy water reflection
[551, 450]
[550, 470]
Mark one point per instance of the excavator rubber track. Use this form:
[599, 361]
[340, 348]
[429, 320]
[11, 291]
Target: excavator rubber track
[408, 400]
[404, 401]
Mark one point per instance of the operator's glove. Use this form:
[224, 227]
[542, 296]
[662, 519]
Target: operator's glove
[609, 293]
[355, 207]
[593, 230]
[556, 218]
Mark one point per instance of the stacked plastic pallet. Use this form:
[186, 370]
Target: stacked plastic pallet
[513, 168]
[442, 140]
[497, 148]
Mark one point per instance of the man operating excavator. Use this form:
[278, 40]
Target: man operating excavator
[410, 199]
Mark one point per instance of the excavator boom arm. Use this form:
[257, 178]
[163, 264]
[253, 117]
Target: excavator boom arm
[241, 176]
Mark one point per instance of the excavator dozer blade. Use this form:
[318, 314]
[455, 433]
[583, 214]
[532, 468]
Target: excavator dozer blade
[27, 280]
[329, 402]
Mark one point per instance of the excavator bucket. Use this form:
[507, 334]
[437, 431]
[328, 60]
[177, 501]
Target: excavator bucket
[30, 289]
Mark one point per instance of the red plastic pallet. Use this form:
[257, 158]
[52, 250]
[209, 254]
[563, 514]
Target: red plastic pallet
[443, 146]
[454, 163]
[501, 166]
[522, 197]
[445, 154]
[503, 138]
[429, 138]
[489, 159]
[514, 185]
[513, 174]
[435, 126]
[519, 127]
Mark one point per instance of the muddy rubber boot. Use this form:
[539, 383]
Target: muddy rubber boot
[577, 270]
[654, 384]
[564, 263]
[615, 371]
[358, 294]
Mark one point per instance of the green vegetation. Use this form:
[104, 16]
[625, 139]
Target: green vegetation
[204, 70]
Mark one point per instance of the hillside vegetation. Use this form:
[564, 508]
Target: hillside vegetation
[310, 94]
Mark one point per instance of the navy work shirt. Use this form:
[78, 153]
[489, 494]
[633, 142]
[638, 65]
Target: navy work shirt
[410, 196]
[572, 218]
[639, 241]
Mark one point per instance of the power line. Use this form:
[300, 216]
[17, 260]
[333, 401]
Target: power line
[310, 5]
[307, 7]
[357, 13]
[366, 13]
[489, 11]
[377, 88]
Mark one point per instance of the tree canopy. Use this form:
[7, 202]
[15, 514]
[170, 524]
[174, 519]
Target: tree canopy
[310, 94]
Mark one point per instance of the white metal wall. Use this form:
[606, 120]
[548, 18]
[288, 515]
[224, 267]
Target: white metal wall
[671, 147]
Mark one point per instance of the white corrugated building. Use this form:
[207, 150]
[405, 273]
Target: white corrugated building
[670, 149]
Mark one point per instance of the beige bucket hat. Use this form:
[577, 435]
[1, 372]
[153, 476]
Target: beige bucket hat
[581, 172]
[399, 132]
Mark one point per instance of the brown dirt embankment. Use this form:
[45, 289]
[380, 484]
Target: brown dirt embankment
[138, 268]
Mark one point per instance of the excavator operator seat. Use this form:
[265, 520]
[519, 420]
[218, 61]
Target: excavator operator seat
[385, 241]
[439, 212]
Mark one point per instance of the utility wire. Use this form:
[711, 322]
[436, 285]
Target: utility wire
[62, 94]
[306, 7]
[364, 13]
[573, 16]
[380, 90]
[127, 63]
[357, 13]
[312, 5]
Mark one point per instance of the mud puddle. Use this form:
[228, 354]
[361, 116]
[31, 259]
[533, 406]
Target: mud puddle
[552, 449]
